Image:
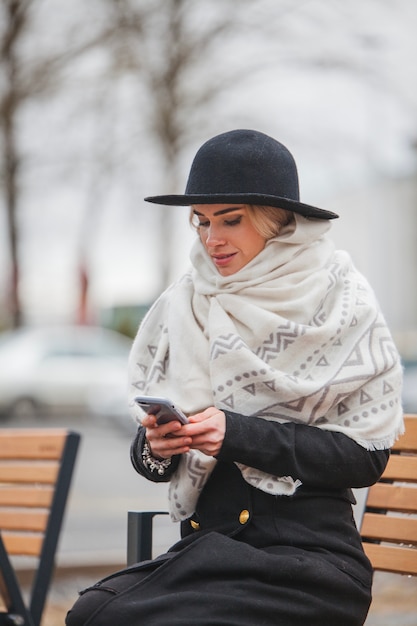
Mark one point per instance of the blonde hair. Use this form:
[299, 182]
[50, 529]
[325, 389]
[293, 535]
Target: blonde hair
[267, 220]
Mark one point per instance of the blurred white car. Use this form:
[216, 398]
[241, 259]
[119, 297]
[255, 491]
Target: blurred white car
[71, 368]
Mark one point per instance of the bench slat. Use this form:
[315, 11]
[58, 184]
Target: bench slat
[23, 473]
[24, 521]
[22, 544]
[390, 528]
[392, 497]
[22, 496]
[31, 444]
[391, 558]
[408, 442]
[401, 467]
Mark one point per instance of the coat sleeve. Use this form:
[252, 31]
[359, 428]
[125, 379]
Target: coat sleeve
[142, 469]
[317, 457]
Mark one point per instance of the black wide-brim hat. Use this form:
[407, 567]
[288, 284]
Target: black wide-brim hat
[244, 166]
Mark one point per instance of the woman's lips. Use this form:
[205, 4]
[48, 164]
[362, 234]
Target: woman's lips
[223, 259]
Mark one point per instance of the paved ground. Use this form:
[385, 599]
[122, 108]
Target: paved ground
[93, 541]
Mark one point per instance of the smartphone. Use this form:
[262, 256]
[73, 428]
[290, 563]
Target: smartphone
[164, 410]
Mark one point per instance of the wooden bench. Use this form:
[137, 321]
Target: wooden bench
[389, 522]
[36, 467]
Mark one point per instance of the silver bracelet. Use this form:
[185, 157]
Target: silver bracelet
[154, 464]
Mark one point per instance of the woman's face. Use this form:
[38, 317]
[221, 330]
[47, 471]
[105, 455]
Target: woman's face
[228, 234]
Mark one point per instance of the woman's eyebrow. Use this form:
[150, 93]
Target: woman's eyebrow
[221, 212]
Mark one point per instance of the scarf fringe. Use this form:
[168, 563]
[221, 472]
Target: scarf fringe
[382, 444]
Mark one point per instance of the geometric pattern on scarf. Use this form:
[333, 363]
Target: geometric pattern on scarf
[296, 335]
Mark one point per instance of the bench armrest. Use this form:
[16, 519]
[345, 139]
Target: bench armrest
[139, 535]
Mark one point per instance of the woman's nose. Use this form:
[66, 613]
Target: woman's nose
[214, 236]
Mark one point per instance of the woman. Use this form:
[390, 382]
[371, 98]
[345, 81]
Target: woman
[274, 346]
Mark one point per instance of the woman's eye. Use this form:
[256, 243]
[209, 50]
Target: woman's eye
[200, 223]
[234, 222]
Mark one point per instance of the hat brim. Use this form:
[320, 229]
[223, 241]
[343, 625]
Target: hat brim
[246, 198]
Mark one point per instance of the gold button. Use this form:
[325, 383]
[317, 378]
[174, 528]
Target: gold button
[244, 516]
[194, 524]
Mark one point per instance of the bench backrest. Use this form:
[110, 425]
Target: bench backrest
[36, 467]
[389, 525]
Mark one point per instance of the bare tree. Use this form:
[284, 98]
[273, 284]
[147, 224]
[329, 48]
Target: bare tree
[23, 78]
[161, 44]
[15, 19]
[181, 57]
[172, 49]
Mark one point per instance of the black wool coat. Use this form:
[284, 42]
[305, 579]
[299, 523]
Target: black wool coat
[249, 558]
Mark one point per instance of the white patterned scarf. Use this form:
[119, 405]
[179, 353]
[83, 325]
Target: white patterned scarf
[295, 335]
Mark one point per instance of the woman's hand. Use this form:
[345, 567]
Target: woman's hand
[165, 440]
[207, 430]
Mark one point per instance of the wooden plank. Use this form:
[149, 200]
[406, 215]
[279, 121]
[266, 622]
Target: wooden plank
[31, 444]
[390, 528]
[22, 545]
[23, 496]
[392, 497]
[5, 600]
[28, 473]
[408, 441]
[401, 468]
[392, 558]
[31, 520]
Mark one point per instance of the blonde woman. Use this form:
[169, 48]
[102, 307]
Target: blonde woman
[274, 346]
